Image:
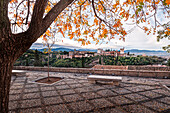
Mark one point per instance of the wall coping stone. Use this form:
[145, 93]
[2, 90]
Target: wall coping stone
[119, 72]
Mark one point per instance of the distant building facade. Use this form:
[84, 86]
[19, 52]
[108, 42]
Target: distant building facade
[111, 53]
[80, 54]
[76, 54]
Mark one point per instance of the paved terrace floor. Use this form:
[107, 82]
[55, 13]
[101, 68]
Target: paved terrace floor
[76, 94]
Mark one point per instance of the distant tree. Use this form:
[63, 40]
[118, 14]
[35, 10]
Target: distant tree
[65, 52]
[100, 61]
[108, 50]
[168, 62]
[27, 62]
[37, 61]
[83, 62]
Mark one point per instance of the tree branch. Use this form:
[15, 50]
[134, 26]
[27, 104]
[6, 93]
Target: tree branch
[37, 17]
[28, 12]
[53, 13]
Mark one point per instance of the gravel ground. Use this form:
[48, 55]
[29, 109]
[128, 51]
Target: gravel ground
[75, 94]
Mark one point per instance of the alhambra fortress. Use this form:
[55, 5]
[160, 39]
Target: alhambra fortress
[80, 54]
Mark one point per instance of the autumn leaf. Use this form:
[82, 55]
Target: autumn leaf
[85, 32]
[12, 1]
[77, 25]
[44, 38]
[80, 39]
[71, 35]
[96, 21]
[167, 2]
[168, 31]
[146, 29]
[60, 30]
[105, 32]
[48, 33]
[65, 27]
[41, 36]
[83, 43]
[48, 8]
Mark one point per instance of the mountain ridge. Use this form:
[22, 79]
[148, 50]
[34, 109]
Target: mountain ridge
[66, 49]
[95, 50]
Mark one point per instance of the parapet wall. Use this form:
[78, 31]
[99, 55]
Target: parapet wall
[118, 72]
[110, 67]
[153, 68]
[129, 67]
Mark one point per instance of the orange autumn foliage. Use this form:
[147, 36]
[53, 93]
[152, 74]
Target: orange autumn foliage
[167, 2]
[83, 22]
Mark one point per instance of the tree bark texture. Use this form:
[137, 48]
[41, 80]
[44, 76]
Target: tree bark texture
[12, 46]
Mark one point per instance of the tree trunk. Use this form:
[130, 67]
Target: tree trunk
[10, 50]
[6, 61]
[5, 79]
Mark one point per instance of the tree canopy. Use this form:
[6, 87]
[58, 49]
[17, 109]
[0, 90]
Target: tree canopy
[93, 20]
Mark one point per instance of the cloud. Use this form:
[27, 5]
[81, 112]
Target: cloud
[140, 40]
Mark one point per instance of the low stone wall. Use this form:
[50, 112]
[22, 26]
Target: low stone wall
[153, 68]
[110, 67]
[118, 72]
[129, 67]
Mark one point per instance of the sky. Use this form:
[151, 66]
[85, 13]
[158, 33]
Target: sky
[137, 39]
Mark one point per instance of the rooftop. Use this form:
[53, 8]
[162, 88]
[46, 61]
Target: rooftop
[75, 94]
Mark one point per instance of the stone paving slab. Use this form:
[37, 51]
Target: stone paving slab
[157, 106]
[90, 95]
[75, 94]
[49, 93]
[32, 110]
[30, 103]
[31, 95]
[81, 106]
[59, 87]
[135, 108]
[136, 97]
[106, 93]
[60, 108]
[165, 100]
[72, 98]
[53, 100]
[101, 103]
[120, 100]
[109, 110]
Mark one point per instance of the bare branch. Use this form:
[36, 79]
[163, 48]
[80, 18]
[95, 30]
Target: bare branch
[17, 10]
[28, 12]
[101, 18]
